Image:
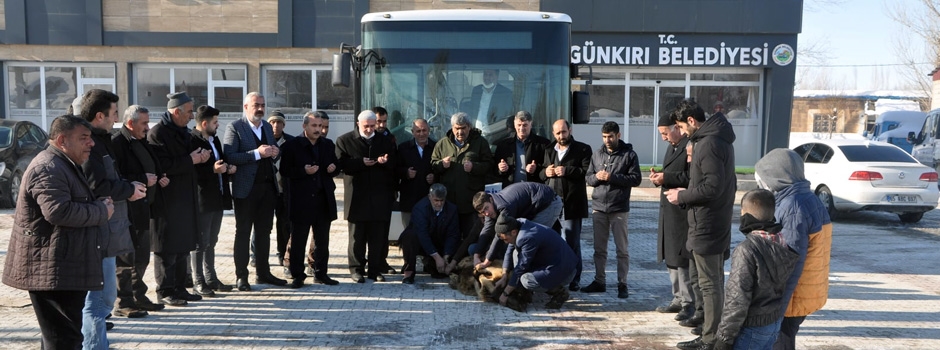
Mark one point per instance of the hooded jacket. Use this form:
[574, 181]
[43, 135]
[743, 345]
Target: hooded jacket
[461, 185]
[613, 195]
[807, 229]
[712, 183]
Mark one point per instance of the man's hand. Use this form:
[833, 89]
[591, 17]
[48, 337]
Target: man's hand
[412, 173]
[199, 156]
[446, 162]
[108, 203]
[672, 195]
[140, 191]
[656, 178]
[368, 162]
[602, 175]
[383, 159]
[560, 170]
[486, 263]
[467, 165]
[550, 170]
[151, 179]
[429, 178]
[164, 181]
[311, 169]
[530, 168]
[268, 151]
[331, 168]
[219, 167]
[503, 299]
[503, 166]
[230, 169]
[440, 262]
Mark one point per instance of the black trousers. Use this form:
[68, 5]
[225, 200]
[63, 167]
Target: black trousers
[320, 247]
[466, 223]
[283, 224]
[463, 250]
[786, 339]
[60, 318]
[411, 248]
[254, 212]
[371, 234]
[170, 272]
[131, 268]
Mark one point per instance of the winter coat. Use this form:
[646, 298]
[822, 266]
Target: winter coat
[613, 195]
[436, 233]
[673, 219]
[712, 184]
[132, 168]
[308, 191]
[571, 186]
[754, 291]
[369, 190]
[534, 147]
[410, 191]
[461, 186]
[57, 227]
[522, 201]
[174, 230]
[101, 170]
[543, 253]
[807, 229]
[214, 194]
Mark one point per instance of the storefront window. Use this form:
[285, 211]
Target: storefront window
[39, 92]
[295, 90]
[221, 86]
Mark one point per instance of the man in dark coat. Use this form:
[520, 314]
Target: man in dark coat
[100, 110]
[433, 233]
[249, 144]
[414, 168]
[519, 157]
[57, 205]
[490, 102]
[367, 160]
[282, 225]
[531, 200]
[309, 163]
[214, 196]
[566, 163]
[174, 230]
[710, 199]
[545, 262]
[137, 162]
[461, 162]
[673, 222]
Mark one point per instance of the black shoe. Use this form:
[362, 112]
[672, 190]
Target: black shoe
[270, 279]
[696, 344]
[670, 308]
[324, 279]
[108, 326]
[185, 295]
[697, 330]
[686, 312]
[408, 280]
[145, 304]
[297, 283]
[204, 290]
[391, 271]
[173, 301]
[622, 291]
[218, 286]
[188, 283]
[574, 287]
[357, 278]
[695, 320]
[129, 312]
[242, 285]
[594, 287]
[559, 297]
[377, 277]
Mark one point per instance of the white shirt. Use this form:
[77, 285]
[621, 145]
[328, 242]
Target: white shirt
[561, 152]
[485, 98]
[257, 132]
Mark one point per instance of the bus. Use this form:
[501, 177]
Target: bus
[489, 64]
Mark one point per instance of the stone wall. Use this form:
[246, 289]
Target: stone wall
[201, 16]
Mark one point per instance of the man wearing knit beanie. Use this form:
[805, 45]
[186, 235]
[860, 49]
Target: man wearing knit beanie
[544, 263]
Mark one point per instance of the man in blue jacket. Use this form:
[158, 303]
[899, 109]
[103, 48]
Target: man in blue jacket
[545, 262]
[530, 200]
[433, 232]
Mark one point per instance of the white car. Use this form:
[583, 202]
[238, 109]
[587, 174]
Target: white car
[852, 175]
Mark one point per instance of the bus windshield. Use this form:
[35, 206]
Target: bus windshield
[487, 69]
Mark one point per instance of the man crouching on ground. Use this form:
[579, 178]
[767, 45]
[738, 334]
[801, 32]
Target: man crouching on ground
[545, 262]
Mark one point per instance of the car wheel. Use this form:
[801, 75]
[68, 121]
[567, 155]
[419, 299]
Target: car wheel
[825, 196]
[910, 218]
[15, 182]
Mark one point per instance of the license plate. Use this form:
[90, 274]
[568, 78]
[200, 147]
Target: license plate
[900, 198]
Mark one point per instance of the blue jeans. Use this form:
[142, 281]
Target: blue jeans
[98, 305]
[757, 338]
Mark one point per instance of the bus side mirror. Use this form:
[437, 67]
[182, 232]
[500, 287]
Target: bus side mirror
[341, 65]
[581, 107]
[912, 138]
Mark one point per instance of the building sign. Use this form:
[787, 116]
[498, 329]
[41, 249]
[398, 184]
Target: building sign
[667, 50]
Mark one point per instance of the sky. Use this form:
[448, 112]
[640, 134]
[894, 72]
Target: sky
[853, 32]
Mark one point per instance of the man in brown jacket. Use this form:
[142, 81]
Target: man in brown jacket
[58, 275]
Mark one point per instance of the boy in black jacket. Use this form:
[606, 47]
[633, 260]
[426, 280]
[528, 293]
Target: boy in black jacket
[760, 266]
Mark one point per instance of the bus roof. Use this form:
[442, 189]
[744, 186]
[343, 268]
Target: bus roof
[466, 15]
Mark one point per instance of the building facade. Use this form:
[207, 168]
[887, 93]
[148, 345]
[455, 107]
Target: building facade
[635, 58]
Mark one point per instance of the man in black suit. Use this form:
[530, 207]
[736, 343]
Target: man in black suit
[489, 102]
[213, 198]
[434, 234]
[309, 163]
[249, 144]
[566, 163]
[519, 157]
[414, 168]
[367, 160]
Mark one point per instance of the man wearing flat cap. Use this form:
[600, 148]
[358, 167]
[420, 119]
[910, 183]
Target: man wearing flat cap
[544, 262]
[282, 227]
[174, 230]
